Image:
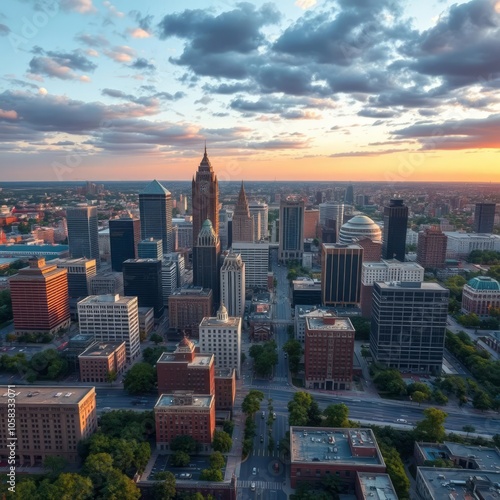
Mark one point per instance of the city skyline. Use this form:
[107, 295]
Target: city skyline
[304, 91]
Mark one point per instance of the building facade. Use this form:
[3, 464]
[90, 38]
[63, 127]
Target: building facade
[291, 230]
[480, 295]
[106, 283]
[225, 388]
[80, 272]
[243, 223]
[431, 248]
[395, 225]
[124, 235]
[83, 232]
[255, 256]
[359, 227]
[460, 245]
[150, 248]
[101, 361]
[260, 212]
[484, 217]
[187, 306]
[232, 284]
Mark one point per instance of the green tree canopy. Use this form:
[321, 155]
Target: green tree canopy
[337, 415]
[431, 427]
[222, 442]
[140, 378]
[180, 459]
[217, 460]
[211, 475]
[184, 443]
[166, 489]
[251, 403]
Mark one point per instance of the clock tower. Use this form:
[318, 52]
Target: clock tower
[205, 197]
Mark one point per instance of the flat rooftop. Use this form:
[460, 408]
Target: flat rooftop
[333, 446]
[46, 395]
[385, 264]
[410, 285]
[232, 322]
[224, 372]
[106, 299]
[450, 483]
[199, 359]
[194, 401]
[328, 322]
[101, 349]
[193, 290]
[376, 486]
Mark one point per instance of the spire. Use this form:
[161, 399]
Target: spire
[242, 204]
[205, 156]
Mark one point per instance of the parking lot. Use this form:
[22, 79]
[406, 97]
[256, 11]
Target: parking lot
[190, 473]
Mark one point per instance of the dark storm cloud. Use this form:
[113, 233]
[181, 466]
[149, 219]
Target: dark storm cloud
[142, 64]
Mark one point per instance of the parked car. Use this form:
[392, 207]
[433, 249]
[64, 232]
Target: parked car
[254, 471]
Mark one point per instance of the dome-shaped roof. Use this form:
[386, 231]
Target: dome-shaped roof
[484, 283]
[360, 226]
[222, 314]
[207, 236]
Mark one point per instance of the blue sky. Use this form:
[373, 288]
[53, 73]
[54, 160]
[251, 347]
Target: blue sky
[340, 89]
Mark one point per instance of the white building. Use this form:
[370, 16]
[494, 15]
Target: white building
[180, 264]
[168, 278]
[111, 318]
[391, 270]
[104, 244]
[232, 284]
[106, 283]
[411, 237]
[462, 244]
[225, 217]
[260, 212]
[256, 259]
[221, 336]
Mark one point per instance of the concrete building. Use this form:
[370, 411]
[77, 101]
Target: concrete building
[187, 306]
[409, 325]
[291, 230]
[243, 223]
[50, 422]
[104, 245]
[256, 259]
[40, 302]
[460, 245]
[484, 217]
[75, 346]
[111, 318]
[169, 281]
[124, 235]
[333, 212]
[48, 252]
[107, 283]
[80, 272]
[431, 249]
[232, 284]
[155, 206]
[320, 452]
[395, 226]
[306, 291]
[102, 359]
[221, 336]
[479, 295]
[374, 486]
[150, 248]
[225, 388]
[146, 321]
[83, 232]
[329, 351]
[186, 370]
[260, 213]
[184, 231]
[359, 227]
[184, 414]
[341, 274]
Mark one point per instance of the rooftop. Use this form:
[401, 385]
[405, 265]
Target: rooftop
[154, 187]
[384, 264]
[192, 290]
[224, 372]
[470, 236]
[333, 445]
[184, 400]
[47, 395]
[199, 359]
[376, 486]
[484, 283]
[410, 285]
[328, 321]
[106, 299]
[101, 349]
[332, 246]
[232, 322]
[26, 248]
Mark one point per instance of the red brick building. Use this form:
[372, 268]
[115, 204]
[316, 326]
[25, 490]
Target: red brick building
[188, 306]
[184, 413]
[40, 302]
[372, 250]
[101, 359]
[311, 223]
[225, 388]
[186, 370]
[320, 452]
[329, 351]
[431, 248]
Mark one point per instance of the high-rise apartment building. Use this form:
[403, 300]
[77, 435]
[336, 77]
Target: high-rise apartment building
[409, 325]
[187, 306]
[395, 225]
[484, 217]
[291, 230]
[150, 248]
[111, 318]
[124, 235]
[206, 260]
[221, 336]
[243, 223]
[205, 197]
[232, 284]
[155, 205]
[49, 422]
[142, 279]
[431, 248]
[260, 213]
[83, 237]
[341, 274]
[39, 294]
[329, 352]
[80, 272]
[255, 256]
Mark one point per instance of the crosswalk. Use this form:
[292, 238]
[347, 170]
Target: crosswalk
[262, 485]
[265, 453]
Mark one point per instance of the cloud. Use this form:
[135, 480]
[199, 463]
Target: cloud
[96, 41]
[112, 10]
[121, 53]
[138, 33]
[61, 65]
[4, 30]
[92, 53]
[81, 6]
[64, 143]
[350, 154]
[142, 64]
[305, 4]
[8, 115]
[150, 100]
[377, 113]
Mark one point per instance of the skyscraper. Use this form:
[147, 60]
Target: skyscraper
[431, 249]
[409, 325]
[349, 194]
[243, 223]
[291, 230]
[155, 205]
[124, 235]
[150, 249]
[331, 211]
[255, 256]
[484, 217]
[82, 232]
[80, 272]
[260, 213]
[205, 197]
[232, 284]
[395, 225]
[206, 255]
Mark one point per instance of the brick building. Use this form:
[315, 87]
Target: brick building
[225, 388]
[431, 248]
[187, 306]
[101, 359]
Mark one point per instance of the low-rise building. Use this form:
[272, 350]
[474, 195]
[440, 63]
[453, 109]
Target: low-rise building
[372, 486]
[102, 359]
[187, 306]
[306, 291]
[225, 388]
[479, 295]
[146, 321]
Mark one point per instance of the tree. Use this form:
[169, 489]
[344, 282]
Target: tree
[419, 397]
[431, 427]
[184, 443]
[112, 376]
[140, 378]
[228, 426]
[217, 460]
[439, 397]
[211, 475]
[396, 470]
[97, 467]
[119, 487]
[390, 381]
[468, 429]
[336, 415]
[166, 489]
[222, 442]
[251, 403]
[54, 464]
[481, 401]
[180, 459]
[304, 410]
[152, 354]
[74, 486]
[294, 350]
[156, 338]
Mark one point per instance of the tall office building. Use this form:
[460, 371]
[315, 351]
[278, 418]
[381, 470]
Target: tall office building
[243, 223]
[155, 205]
[111, 318]
[291, 230]
[169, 281]
[106, 283]
[331, 217]
[341, 274]
[311, 223]
[39, 295]
[225, 228]
[260, 213]
[431, 248]
[124, 235]
[484, 217]
[83, 233]
[206, 260]
[221, 336]
[205, 197]
[255, 256]
[409, 325]
[349, 195]
[50, 421]
[142, 279]
[395, 225]
[150, 249]
[184, 228]
[80, 272]
[232, 284]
